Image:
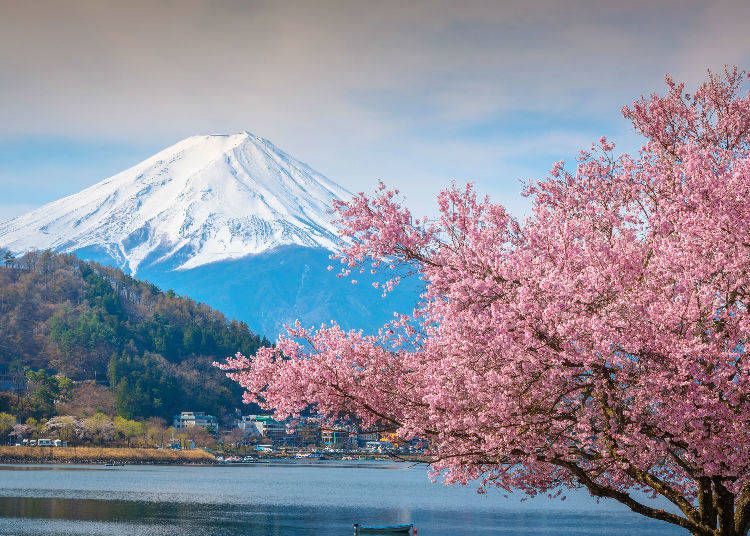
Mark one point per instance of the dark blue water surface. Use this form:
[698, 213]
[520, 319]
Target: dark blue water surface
[285, 499]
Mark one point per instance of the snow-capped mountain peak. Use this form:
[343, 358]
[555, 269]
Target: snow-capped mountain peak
[204, 199]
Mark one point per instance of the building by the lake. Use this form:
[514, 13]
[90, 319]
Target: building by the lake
[304, 432]
[191, 419]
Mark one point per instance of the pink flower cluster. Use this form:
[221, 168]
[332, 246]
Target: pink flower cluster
[602, 342]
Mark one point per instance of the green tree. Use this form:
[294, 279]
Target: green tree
[98, 428]
[128, 429]
[8, 258]
[7, 422]
[156, 431]
[43, 391]
[143, 386]
[34, 426]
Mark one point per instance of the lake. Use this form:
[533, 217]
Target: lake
[284, 499]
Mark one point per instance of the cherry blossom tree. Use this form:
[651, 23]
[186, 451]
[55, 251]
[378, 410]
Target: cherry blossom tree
[21, 431]
[599, 343]
[65, 427]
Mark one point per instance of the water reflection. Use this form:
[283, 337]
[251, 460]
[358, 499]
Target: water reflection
[130, 517]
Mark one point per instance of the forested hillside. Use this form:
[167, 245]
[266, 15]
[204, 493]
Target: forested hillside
[151, 350]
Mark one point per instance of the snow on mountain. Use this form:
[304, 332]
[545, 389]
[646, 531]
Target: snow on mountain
[202, 200]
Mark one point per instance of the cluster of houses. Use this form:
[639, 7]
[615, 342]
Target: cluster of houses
[268, 434]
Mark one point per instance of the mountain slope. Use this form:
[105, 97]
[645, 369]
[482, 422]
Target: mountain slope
[91, 322]
[202, 200]
[286, 284]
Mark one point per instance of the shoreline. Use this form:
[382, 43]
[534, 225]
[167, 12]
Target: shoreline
[104, 455]
[22, 455]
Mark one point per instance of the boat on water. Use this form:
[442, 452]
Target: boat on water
[393, 530]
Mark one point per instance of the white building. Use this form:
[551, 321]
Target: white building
[262, 425]
[305, 432]
[190, 419]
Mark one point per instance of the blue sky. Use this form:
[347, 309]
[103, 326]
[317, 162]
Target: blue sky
[416, 94]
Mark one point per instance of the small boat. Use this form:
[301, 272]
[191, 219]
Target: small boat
[383, 529]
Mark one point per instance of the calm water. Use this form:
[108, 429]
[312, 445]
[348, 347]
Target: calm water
[293, 499]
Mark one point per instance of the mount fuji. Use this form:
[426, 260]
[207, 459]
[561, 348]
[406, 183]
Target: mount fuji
[229, 220]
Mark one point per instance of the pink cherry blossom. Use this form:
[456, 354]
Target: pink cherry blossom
[601, 342]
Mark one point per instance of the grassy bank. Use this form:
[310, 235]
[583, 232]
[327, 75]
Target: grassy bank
[9, 454]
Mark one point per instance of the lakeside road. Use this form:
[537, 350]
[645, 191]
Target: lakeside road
[99, 455]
